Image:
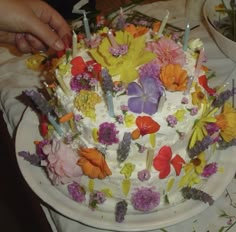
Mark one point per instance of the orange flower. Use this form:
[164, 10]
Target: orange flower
[227, 122]
[93, 163]
[136, 31]
[173, 77]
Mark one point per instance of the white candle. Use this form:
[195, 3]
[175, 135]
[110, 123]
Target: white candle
[163, 24]
[199, 63]
[186, 37]
[54, 124]
[112, 39]
[74, 45]
[189, 85]
[110, 105]
[62, 85]
[86, 26]
[162, 100]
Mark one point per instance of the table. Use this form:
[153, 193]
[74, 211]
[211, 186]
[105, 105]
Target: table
[14, 78]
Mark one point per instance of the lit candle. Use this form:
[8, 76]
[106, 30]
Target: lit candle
[163, 24]
[110, 105]
[199, 62]
[161, 101]
[189, 85]
[86, 26]
[112, 39]
[186, 37]
[62, 85]
[56, 126]
[74, 45]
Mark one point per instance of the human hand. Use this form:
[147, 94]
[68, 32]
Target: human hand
[32, 25]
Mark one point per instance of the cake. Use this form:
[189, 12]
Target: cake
[130, 121]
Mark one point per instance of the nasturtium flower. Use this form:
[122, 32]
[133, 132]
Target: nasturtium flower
[226, 121]
[144, 96]
[163, 161]
[136, 31]
[124, 65]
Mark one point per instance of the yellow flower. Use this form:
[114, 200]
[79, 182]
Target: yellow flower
[199, 129]
[129, 120]
[85, 102]
[198, 97]
[179, 114]
[227, 122]
[124, 65]
[192, 171]
[34, 62]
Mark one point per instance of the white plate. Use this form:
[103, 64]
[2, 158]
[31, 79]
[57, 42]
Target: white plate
[58, 198]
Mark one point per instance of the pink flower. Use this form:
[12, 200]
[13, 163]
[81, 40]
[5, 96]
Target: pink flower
[61, 166]
[167, 51]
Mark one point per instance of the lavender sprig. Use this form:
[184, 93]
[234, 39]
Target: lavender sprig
[197, 194]
[199, 147]
[107, 83]
[222, 98]
[31, 158]
[39, 101]
[121, 209]
[124, 147]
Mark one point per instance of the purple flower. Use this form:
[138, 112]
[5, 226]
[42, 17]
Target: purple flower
[121, 209]
[184, 100]
[77, 192]
[107, 133]
[39, 148]
[172, 120]
[212, 128]
[96, 198]
[144, 175]
[145, 199]
[210, 169]
[145, 96]
[149, 70]
[120, 119]
[78, 117]
[194, 111]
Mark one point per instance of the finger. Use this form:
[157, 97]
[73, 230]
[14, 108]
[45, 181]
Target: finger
[35, 43]
[22, 44]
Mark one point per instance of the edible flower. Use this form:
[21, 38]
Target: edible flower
[144, 95]
[93, 164]
[85, 102]
[174, 77]
[203, 81]
[146, 125]
[124, 65]
[199, 128]
[163, 160]
[145, 199]
[198, 97]
[107, 133]
[136, 31]
[192, 171]
[167, 51]
[226, 121]
[61, 161]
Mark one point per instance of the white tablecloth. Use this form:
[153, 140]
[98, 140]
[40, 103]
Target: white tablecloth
[14, 78]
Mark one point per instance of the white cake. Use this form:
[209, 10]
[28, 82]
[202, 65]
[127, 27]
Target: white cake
[134, 123]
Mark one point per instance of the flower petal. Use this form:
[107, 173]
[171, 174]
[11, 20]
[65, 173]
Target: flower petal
[135, 104]
[135, 89]
[149, 107]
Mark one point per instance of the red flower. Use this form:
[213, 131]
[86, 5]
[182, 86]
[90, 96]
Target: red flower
[204, 83]
[147, 125]
[78, 65]
[163, 161]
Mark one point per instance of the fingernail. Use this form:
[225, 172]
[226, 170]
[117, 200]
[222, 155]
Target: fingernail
[59, 45]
